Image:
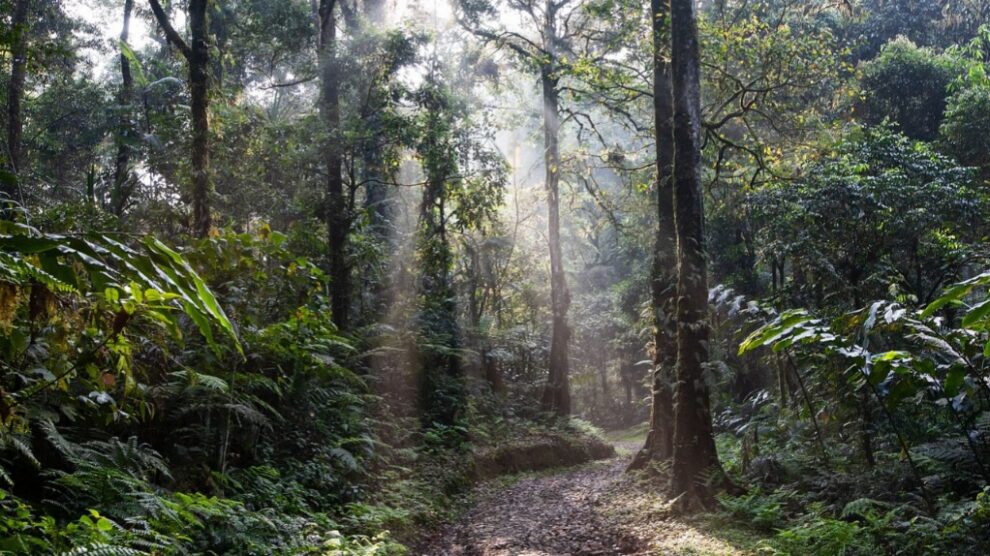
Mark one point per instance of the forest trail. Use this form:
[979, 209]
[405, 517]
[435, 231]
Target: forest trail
[590, 510]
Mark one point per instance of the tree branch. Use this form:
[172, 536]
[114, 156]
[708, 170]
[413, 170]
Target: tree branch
[170, 33]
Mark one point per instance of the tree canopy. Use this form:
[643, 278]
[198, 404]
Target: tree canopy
[293, 277]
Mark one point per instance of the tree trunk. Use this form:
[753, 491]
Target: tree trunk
[493, 373]
[377, 201]
[659, 442]
[866, 430]
[556, 394]
[198, 57]
[199, 88]
[695, 460]
[15, 93]
[337, 220]
[122, 183]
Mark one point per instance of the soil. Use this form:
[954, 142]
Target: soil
[592, 510]
[557, 514]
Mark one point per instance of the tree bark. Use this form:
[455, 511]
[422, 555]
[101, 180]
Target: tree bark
[695, 459]
[15, 93]
[336, 211]
[199, 87]
[493, 373]
[198, 57]
[121, 192]
[556, 395]
[659, 442]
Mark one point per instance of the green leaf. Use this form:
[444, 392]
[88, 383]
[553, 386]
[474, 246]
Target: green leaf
[104, 524]
[977, 315]
[954, 380]
[8, 179]
[135, 63]
[770, 333]
[955, 293]
[891, 355]
[29, 245]
[202, 323]
[902, 389]
[207, 301]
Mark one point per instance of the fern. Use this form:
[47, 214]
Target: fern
[63, 446]
[100, 549]
[863, 507]
[17, 443]
[943, 456]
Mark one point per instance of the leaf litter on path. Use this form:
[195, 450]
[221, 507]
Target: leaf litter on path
[592, 510]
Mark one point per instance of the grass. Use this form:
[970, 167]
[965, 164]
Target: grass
[627, 441]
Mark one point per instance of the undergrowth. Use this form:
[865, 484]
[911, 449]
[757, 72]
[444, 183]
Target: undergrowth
[203, 402]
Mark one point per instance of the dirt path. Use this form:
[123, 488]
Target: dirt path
[592, 510]
[547, 515]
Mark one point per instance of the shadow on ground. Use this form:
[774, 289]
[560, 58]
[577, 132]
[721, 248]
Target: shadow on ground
[592, 510]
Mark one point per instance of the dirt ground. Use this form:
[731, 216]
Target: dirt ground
[591, 510]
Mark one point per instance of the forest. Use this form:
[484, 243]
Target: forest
[495, 277]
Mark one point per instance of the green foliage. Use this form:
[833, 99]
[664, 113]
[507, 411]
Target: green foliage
[871, 24]
[762, 511]
[863, 526]
[879, 214]
[200, 404]
[72, 307]
[966, 127]
[908, 86]
[167, 395]
[821, 536]
[23, 532]
[926, 373]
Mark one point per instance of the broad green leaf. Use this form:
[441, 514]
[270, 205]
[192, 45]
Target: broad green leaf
[206, 297]
[891, 355]
[773, 331]
[135, 64]
[954, 380]
[977, 315]
[955, 293]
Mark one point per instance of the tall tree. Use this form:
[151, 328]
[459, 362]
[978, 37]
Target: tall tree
[552, 29]
[122, 183]
[442, 389]
[659, 441]
[381, 52]
[336, 208]
[197, 55]
[372, 167]
[694, 455]
[556, 395]
[15, 93]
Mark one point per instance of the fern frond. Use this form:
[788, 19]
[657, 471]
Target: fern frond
[100, 549]
[62, 445]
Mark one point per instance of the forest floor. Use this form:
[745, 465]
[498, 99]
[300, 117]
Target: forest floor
[590, 510]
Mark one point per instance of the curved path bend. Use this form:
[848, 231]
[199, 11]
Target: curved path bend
[591, 510]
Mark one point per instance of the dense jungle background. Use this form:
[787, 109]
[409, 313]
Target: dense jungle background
[315, 276]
